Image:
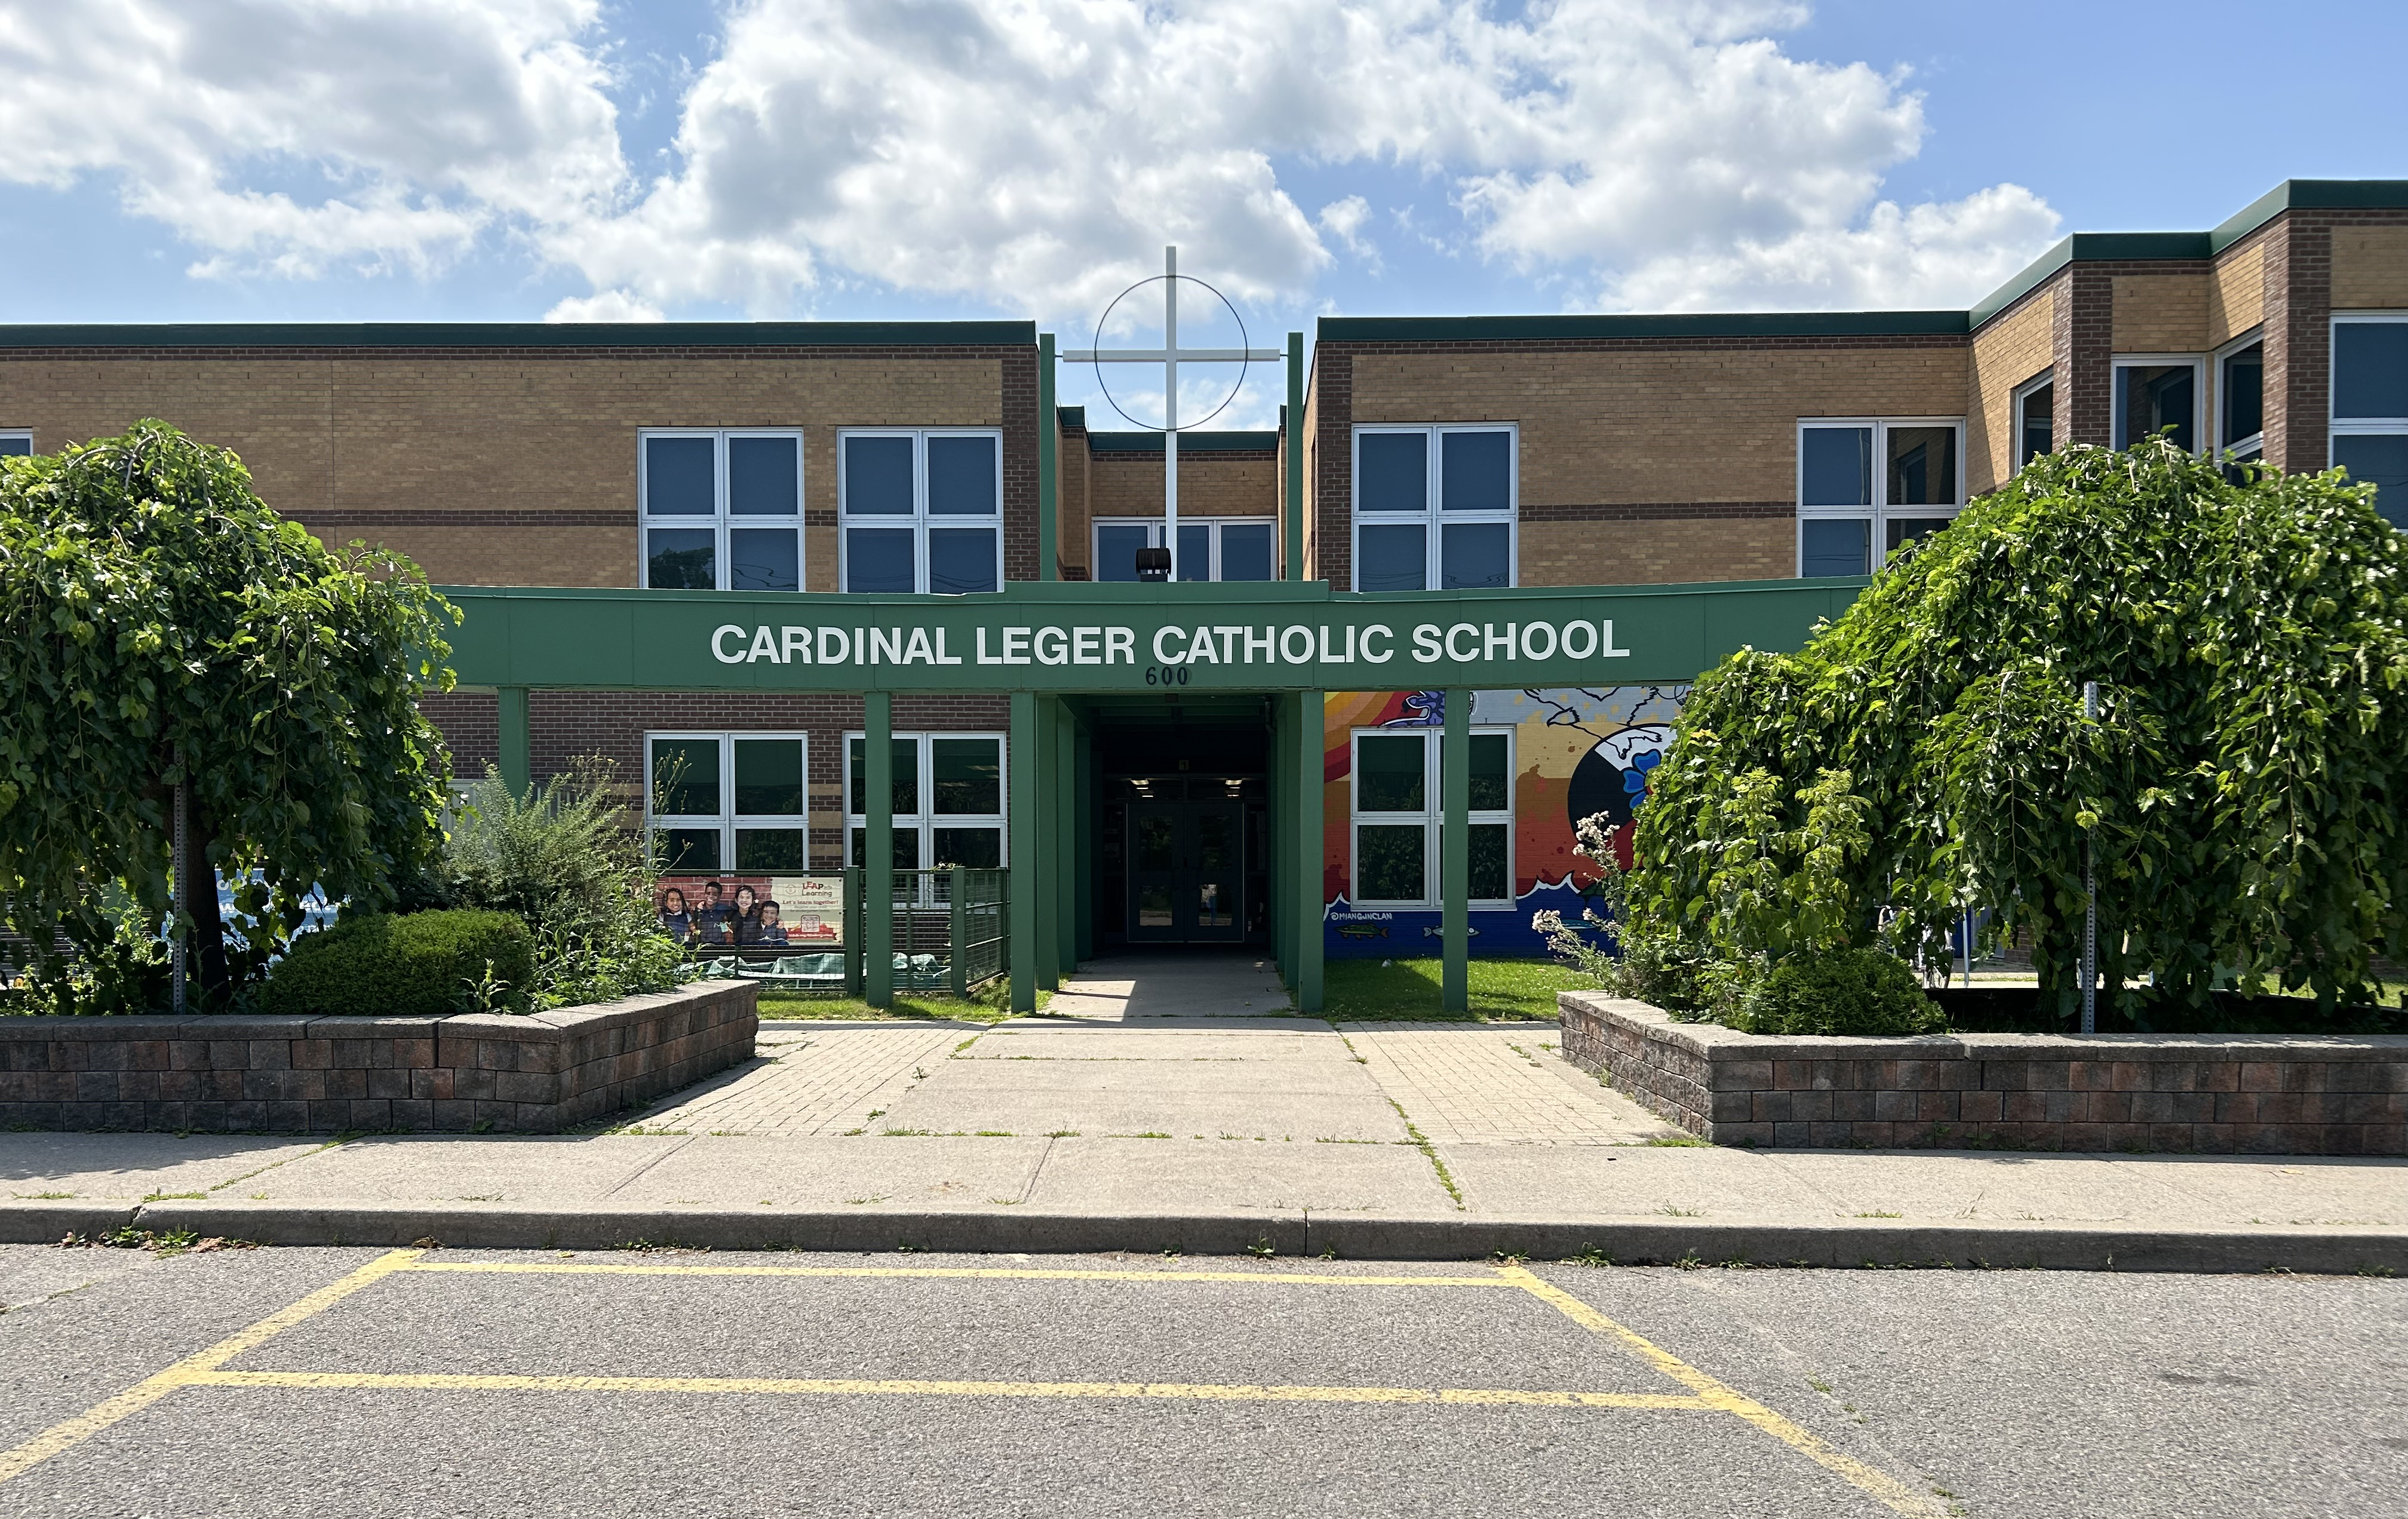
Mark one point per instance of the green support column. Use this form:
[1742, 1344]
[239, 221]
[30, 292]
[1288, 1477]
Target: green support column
[1048, 531]
[878, 848]
[1455, 853]
[1310, 907]
[1295, 483]
[1048, 943]
[1065, 838]
[517, 749]
[1281, 872]
[1023, 765]
[1085, 945]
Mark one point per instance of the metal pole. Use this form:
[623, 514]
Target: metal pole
[181, 853]
[2090, 894]
[1170, 413]
[878, 848]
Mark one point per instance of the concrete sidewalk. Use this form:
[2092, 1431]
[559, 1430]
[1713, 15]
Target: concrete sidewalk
[1145, 1116]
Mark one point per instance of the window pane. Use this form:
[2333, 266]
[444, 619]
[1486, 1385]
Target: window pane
[2371, 369]
[962, 474]
[972, 849]
[1246, 552]
[878, 476]
[1839, 467]
[685, 778]
[770, 777]
[771, 849]
[877, 559]
[1489, 877]
[1475, 471]
[1393, 472]
[907, 776]
[20, 446]
[1475, 556]
[1389, 773]
[968, 774]
[2380, 460]
[907, 853]
[2153, 397]
[689, 850]
[764, 477]
[1194, 561]
[2038, 431]
[961, 560]
[680, 559]
[1898, 532]
[1157, 840]
[1116, 551]
[679, 477]
[1390, 862]
[765, 559]
[1923, 467]
[2245, 393]
[1491, 786]
[1833, 546]
[1391, 558]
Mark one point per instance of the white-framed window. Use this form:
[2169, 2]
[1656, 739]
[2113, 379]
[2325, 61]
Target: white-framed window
[2035, 420]
[1870, 486]
[2155, 392]
[1209, 547]
[949, 801]
[1397, 818]
[722, 509]
[920, 510]
[2370, 406]
[1436, 508]
[2240, 398]
[19, 440]
[728, 801]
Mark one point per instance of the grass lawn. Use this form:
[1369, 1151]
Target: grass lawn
[989, 1005]
[1502, 991]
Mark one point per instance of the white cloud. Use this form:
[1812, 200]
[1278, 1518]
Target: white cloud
[605, 306]
[1026, 154]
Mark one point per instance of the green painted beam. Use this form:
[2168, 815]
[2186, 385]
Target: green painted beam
[1455, 853]
[1085, 946]
[1067, 832]
[1309, 907]
[517, 763]
[1294, 490]
[878, 848]
[1048, 860]
[1023, 767]
[1049, 532]
[1281, 872]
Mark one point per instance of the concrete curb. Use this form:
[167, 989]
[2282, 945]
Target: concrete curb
[1844, 1243]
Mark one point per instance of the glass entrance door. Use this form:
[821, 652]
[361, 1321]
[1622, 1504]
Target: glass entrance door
[1186, 872]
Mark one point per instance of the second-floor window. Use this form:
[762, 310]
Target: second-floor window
[2369, 407]
[2240, 402]
[1870, 486]
[1434, 507]
[2035, 419]
[722, 509]
[16, 441]
[1209, 547]
[2157, 394]
[922, 510]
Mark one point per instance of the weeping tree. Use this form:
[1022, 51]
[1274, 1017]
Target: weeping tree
[165, 629]
[2240, 789]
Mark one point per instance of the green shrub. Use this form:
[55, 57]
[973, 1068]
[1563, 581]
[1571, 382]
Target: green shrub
[1854, 992]
[415, 965]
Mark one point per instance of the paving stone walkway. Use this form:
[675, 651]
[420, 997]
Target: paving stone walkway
[822, 1080]
[1479, 1083]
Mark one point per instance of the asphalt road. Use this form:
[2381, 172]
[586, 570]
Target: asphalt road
[372, 1382]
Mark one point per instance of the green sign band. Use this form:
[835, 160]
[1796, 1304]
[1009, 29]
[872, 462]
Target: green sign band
[1073, 638]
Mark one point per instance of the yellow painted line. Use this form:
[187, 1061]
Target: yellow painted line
[193, 1369]
[1893, 1493]
[973, 1272]
[849, 1387]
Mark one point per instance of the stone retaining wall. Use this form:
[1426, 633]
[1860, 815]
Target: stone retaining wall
[535, 1073]
[2215, 1093]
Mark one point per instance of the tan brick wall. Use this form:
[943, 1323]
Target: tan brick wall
[422, 435]
[1633, 424]
[2236, 293]
[1658, 553]
[2369, 268]
[2160, 313]
[1210, 485]
[2006, 353]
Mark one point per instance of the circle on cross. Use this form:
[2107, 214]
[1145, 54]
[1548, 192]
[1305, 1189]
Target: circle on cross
[1172, 355]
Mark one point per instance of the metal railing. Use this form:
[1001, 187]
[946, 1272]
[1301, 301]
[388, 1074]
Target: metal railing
[950, 933]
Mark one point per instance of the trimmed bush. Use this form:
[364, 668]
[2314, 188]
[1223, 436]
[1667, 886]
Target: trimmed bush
[418, 965]
[1854, 992]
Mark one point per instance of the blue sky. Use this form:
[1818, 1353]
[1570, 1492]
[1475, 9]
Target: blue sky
[487, 159]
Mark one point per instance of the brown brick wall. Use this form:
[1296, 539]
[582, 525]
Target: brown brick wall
[2012, 348]
[510, 466]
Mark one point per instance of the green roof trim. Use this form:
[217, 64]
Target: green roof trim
[1683, 324]
[525, 335]
[1188, 443]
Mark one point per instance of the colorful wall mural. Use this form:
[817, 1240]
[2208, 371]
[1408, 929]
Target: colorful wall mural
[1575, 753]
